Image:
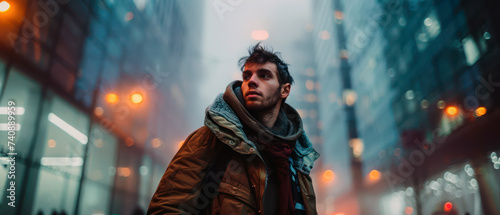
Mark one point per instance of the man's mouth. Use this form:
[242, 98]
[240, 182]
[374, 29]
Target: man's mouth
[252, 94]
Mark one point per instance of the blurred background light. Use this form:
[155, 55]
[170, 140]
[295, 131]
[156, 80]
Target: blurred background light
[480, 111]
[111, 98]
[260, 35]
[409, 210]
[448, 206]
[441, 104]
[4, 6]
[328, 175]
[325, 35]
[51, 143]
[129, 141]
[350, 97]
[124, 171]
[156, 142]
[451, 111]
[136, 98]
[339, 15]
[66, 127]
[374, 175]
[98, 111]
[129, 16]
[61, 161]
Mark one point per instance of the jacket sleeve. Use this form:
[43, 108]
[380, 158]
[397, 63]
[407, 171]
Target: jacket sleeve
[180, 189]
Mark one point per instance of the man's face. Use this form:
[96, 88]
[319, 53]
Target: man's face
[261, 88]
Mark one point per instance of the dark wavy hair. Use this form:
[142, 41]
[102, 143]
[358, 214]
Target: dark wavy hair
[260, 55]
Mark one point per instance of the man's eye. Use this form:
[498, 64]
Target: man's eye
[246, 77]
[265, 76]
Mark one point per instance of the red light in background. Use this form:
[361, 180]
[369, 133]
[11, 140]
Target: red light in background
[447, 206]
[409, 210]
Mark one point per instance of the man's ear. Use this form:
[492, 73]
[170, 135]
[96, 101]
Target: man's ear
[285, 90]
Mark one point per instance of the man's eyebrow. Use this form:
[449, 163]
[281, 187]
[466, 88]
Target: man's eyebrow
[263, 70]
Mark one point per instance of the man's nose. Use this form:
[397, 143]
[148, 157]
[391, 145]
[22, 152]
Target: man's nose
[253, 81]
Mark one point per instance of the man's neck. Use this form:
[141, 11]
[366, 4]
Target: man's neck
[267, 118]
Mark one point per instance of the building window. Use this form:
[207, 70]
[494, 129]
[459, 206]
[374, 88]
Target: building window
[26, 95]
[100, 172]
[60, 151]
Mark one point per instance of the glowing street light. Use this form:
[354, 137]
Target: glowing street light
[374, 175]
[4, 6]
[328, 175]
[112, 98]
[136, 98]
[452, 111]
[480, 111]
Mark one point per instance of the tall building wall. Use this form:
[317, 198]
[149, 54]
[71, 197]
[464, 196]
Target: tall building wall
[79, 149]
[420, 72]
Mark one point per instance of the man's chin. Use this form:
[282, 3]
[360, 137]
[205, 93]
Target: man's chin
[251, 105]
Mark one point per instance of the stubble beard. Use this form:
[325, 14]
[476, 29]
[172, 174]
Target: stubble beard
[267, 106]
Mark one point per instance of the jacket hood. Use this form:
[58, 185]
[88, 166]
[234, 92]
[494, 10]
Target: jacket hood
[227, 116]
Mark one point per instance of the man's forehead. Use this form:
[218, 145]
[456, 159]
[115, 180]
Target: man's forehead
[255, 66]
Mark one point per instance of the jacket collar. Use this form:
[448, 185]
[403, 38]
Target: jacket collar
[222, 117]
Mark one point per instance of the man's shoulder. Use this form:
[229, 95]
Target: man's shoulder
[203, 131]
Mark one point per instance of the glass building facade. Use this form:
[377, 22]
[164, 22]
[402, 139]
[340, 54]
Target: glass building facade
[424, 81]
[92, 82]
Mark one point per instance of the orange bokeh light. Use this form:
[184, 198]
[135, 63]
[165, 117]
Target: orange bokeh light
[480, 111]
[124, 171]
[452, 111]
[374, 175]
[52, 143]
[4, 6]
[111, 98]
[136, 98]
[329, 175]
[156, 143]
[98, 111]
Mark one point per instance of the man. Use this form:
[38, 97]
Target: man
[251, 157]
